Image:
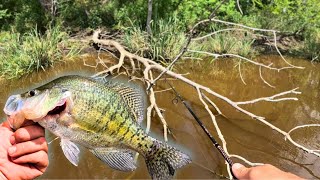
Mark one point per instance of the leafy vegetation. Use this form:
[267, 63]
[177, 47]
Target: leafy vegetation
[171, 20]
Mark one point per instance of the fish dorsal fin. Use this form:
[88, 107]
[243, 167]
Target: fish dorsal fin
[70, 150]
[119, 159]
[131, 94]
[133, 99]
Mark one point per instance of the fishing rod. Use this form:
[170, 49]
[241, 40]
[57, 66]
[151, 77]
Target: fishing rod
[215, 143]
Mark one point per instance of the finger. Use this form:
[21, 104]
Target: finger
[6, 124]
[20, 171]
[2, 177]
[27, 133]
[16, 120]
[27, 122]
[240, 171]
[39, 160]
[28, 147]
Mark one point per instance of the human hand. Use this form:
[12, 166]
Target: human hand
[262, 172]
[23, 153]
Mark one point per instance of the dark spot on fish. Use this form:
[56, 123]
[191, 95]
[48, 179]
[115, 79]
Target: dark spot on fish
[64, 90]
[113, 116]
[119, 106]
[121, 139]
[121, 124]
[126, 133]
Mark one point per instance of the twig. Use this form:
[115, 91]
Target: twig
[216, 9]
[260, 73]
[241, 57]
[273, 98]
[239, 7]
[216, 32]
[239, 65]
[245, 160]
[164, 90]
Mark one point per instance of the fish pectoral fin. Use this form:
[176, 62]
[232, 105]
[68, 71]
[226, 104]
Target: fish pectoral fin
[70, 150]
[119, 159]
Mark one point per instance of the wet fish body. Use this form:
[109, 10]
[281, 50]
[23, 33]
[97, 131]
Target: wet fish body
[101, 116]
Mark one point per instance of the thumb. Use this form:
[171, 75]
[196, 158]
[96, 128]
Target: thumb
[240, 171]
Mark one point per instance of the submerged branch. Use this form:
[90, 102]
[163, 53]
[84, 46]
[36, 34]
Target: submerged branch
[273, 98]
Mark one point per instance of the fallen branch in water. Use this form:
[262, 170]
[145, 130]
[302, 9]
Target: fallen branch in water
[149, 68]
[240, 26]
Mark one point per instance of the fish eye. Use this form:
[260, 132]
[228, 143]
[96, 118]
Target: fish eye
[32, 93]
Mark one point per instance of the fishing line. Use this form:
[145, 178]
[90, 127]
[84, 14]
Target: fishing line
[215, 143]
[53, 140]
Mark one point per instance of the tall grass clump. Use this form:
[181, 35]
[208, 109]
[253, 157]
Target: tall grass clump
[22, 54]
[162, 45]
[231, 42]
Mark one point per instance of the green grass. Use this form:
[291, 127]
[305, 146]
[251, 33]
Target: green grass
[167, 39]
[164, 43]
[23, 54]
[230, 42]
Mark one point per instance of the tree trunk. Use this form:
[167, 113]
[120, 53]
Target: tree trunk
[50, 5]
[149, 17]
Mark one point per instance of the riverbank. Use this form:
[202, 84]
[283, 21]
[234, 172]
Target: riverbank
[166, 42]
[23, 54]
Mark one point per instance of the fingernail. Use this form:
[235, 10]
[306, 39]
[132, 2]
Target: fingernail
[237, 166]
[12, 140]
[12, 150]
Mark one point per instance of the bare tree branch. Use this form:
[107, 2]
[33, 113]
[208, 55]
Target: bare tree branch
[150, 67]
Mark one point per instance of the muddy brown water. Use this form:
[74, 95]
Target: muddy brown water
[244, 136]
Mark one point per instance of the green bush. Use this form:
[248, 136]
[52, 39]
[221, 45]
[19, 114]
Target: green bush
[22, 15]
[84, 14]
[312, 44]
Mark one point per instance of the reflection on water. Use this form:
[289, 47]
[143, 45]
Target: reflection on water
[245, 136]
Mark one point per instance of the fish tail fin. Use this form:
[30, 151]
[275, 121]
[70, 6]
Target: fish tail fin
[162, 160]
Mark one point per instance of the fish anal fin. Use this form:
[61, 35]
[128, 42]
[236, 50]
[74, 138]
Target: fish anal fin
[70, 150]
[119, 159]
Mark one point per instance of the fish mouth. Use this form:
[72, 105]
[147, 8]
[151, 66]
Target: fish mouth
[58, 110]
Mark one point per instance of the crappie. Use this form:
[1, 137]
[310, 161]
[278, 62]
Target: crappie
[101, 116]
